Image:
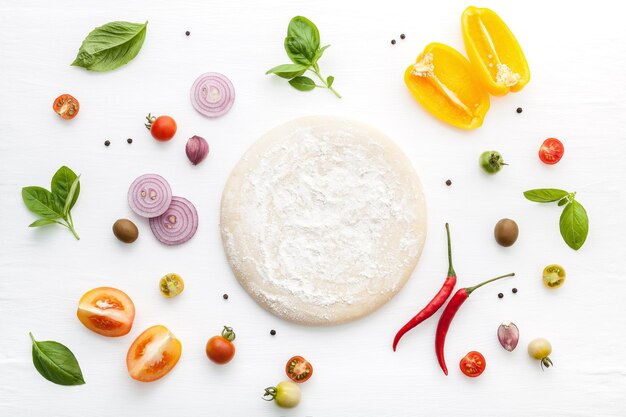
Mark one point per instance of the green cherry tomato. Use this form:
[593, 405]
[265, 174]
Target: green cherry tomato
[553, 276]
[287, 394]
[491, 161]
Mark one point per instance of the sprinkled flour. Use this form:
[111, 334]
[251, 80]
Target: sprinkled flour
[325, 223]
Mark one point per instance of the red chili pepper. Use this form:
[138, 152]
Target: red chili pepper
[448, 314]
[437, 301]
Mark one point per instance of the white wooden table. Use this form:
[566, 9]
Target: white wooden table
[577, 54]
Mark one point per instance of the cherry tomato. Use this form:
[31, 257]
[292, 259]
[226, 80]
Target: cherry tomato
[171, 285]
[162, 128]
[491, 162]
[299, 369]
[551, 151]
[153, 354]
[220, 349]
[66, 106]
[540, 349]
[553, 276]
[106, 311]
[286, 394]
[473, 364]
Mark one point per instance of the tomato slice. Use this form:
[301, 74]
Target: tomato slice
[66, 106]
[153, 354]
[551, 151]
[553, 276]
[299, 369]
[473, 364]
[106, 311]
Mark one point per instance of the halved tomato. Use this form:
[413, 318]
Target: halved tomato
[153, 354]
[106, 311]
[473, 364]
[66, 106]
[299, 369]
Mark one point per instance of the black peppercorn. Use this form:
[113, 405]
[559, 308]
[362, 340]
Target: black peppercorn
[393, 41]
[187, 33]
[448, 183]
[107, 142]
[402, 36]
[129, 140]
[273, 332]
[500, 295]
[514, 290]
[225, 296]
[519, 110]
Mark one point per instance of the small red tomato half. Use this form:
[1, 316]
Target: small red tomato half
[66, 106]
[106, 311]
[299, 369]
[162, 128]
[473, 364]
[220, 349]
[153, 354]
[551, 151]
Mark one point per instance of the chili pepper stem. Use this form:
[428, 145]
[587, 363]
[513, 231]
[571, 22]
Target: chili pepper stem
[451, 272]
[475, 287]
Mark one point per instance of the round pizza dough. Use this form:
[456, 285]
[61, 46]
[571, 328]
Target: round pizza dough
[323, 220]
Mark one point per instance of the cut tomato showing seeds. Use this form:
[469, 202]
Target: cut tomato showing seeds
[473, 364]
[551, 151]
[106, 311]
[153, 354]
[66, 106]
[299, 369]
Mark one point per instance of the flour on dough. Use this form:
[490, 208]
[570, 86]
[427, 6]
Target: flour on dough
[323, 220]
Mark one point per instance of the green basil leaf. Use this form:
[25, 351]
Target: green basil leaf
[71, 197]
[330, 80]
[545, 195]
[56, 363]
[42, 222]
[302, 83]
[110, 46]
[288, 71]
[62, 182]
[574, 225]
[320, 52]
[41, 202]
[302, 41]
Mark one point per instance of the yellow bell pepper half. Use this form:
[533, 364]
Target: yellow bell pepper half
[445, 83]
[494, 51]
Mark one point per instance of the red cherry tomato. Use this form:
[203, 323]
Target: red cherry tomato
[220, 349]
[162, 128]
[299, 369]
[551, 151]
[473, 364]
[66, 106]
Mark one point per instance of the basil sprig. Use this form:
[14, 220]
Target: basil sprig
[54, 206]
[56, 363]
[110, 46]
[302, 45]
[574, 223]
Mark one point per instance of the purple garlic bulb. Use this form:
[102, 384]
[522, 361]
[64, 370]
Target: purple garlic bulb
[197, 149]
[508, 335]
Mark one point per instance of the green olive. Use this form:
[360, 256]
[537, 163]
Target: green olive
[125, 230]
[491, 161]
[506, 232]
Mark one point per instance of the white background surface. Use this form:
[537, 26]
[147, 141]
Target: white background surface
[577, 54]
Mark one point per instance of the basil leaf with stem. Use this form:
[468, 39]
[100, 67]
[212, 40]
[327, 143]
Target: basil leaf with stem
[61, 183]
[56, 363]
[574, 225]
[545, 195]
[288, 71]
[302, 83]
[110, 46]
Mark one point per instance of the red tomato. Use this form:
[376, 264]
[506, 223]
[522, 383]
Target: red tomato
[473, 364]
[220, 349]
[162, 128]
[551, 151]
[153, 354]
[66, 106]
[299, 369]
[106, 311]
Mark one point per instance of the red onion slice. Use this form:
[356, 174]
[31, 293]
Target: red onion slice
[212, 94]
[178, 224]
[149, 195]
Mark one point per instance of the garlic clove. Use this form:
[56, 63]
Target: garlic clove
[196, 149]
[508, 335]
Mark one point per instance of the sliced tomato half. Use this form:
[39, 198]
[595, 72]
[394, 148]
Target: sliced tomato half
[106, 311]
[153, 354]
[299, 369]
